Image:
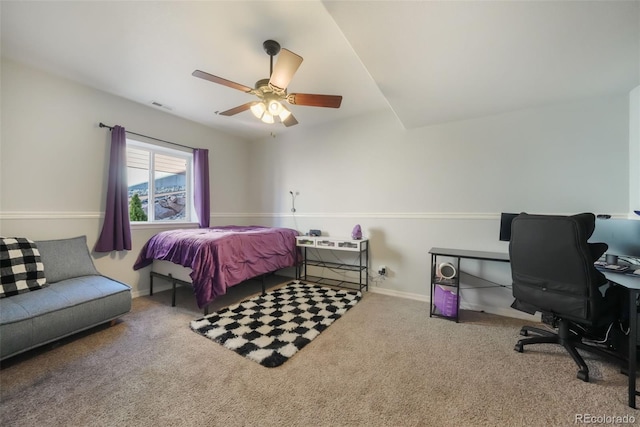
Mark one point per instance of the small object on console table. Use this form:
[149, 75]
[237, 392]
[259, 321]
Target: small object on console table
[356, 234]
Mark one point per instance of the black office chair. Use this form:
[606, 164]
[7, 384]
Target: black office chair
[553, 272]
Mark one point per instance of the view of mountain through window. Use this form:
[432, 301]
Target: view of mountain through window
[160, 178]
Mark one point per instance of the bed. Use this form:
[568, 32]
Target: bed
[221, 257]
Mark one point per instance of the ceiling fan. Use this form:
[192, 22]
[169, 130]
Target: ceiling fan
[272, 92]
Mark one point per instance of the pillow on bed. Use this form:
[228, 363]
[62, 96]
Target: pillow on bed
[66, 258]
[21, 268]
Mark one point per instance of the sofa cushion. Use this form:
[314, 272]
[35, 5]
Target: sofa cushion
[60, 296]
[66, 258]
[61, 309]
[21, 267]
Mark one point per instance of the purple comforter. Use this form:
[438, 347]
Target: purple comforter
[222, 257]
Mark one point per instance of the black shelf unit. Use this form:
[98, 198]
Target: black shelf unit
[452, 285]
[457, 255]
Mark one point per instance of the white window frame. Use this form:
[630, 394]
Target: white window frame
[189, 218]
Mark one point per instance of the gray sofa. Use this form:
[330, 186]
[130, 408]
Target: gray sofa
[76, 297]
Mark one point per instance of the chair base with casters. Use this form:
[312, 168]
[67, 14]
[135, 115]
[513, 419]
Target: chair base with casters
[571, 341]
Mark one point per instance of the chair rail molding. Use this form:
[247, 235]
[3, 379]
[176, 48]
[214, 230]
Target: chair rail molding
[388, 215]
[38, 215]
[67, 215]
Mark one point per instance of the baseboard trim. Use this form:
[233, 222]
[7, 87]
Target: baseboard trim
[399, 294]
[145, 292]
[499, 311]
[506, 312]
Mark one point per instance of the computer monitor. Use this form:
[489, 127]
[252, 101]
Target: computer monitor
[505, 225]
[622, 236]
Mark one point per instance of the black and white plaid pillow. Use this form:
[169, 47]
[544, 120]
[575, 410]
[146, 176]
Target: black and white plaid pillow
[21, 269]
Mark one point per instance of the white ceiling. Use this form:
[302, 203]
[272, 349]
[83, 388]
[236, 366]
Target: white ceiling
[429, 61]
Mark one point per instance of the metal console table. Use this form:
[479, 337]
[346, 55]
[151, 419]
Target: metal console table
[335, 244]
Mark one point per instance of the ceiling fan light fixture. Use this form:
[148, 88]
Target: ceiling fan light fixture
[258, 109]
[284, 114]
[275, 107]
[267, 110]
[267, 118]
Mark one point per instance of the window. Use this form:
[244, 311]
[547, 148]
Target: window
[159, 177]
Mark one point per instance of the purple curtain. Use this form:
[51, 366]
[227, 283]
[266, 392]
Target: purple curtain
[201, 184]
[116, 232]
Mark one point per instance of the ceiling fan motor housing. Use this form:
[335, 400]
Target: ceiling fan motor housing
[272, 47]
[262, 83]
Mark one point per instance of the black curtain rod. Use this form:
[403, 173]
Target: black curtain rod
[102, 125]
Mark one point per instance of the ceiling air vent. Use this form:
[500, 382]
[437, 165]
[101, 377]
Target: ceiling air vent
[160, 105]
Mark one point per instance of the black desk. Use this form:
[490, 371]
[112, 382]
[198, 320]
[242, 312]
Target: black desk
[463, 253]
[628, 281]
[633, 284]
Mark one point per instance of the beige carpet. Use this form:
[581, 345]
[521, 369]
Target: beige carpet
[384, 363]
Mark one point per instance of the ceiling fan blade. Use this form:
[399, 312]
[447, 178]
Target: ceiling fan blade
[286, 66]
[290, 121]
[331, 101]
[221, 81]
[238, 109]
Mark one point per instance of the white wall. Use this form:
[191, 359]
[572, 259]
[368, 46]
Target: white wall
[445, 185]
[550, 159]
[54, 161]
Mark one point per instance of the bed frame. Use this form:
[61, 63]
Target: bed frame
[175, 281]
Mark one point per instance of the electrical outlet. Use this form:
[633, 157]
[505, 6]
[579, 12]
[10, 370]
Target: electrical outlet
[382, 270]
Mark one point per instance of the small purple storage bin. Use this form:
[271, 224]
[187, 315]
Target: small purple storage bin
[445, 301]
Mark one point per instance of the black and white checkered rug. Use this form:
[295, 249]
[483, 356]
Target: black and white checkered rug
[270, 329]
